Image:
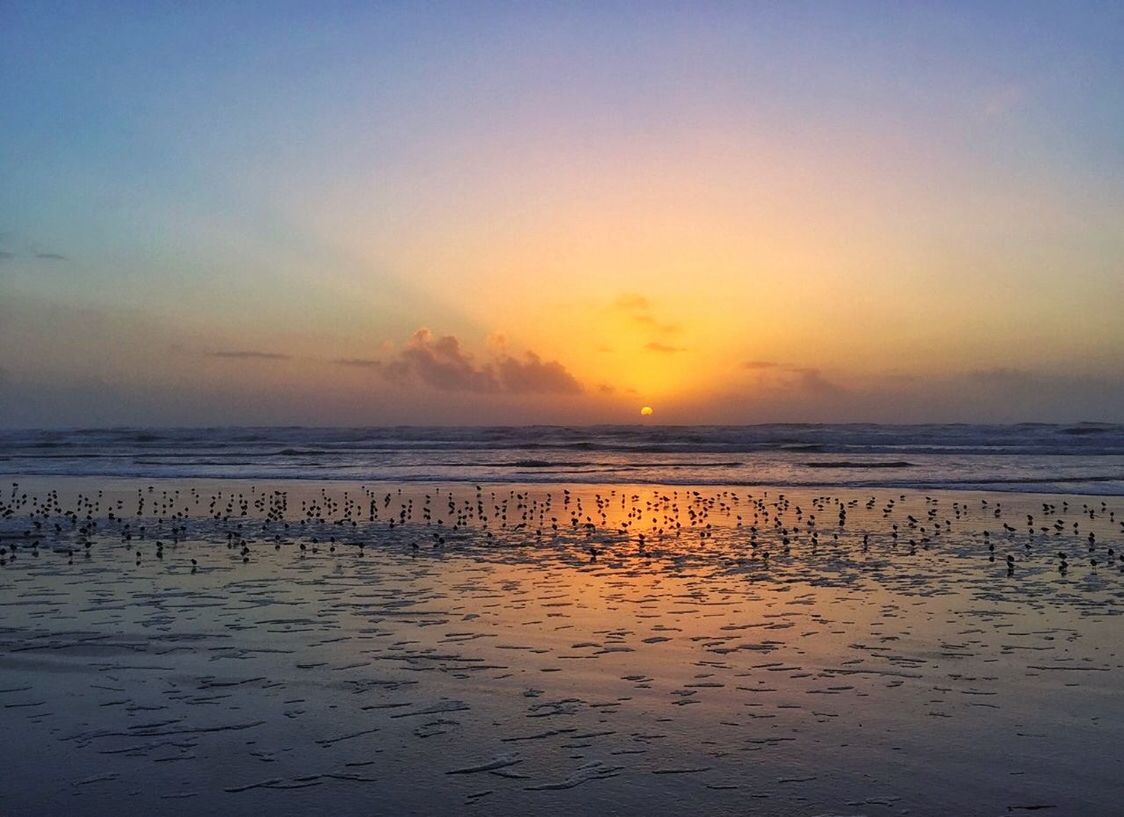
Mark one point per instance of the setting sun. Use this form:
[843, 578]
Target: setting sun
[646, 411]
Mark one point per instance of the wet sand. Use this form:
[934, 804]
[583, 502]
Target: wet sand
[556, 650]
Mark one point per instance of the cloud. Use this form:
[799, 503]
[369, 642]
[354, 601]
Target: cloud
[532, 375]
[788, 393]
[1001, 375]
[639, 309]
[358, 362]
[441, 363]
[632, 301]
[43, 256]
[658, 326]
[663, 348]
[247, 354]
[783, 377]
[814, 383]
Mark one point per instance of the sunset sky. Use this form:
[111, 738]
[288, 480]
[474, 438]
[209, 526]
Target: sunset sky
[337, 213]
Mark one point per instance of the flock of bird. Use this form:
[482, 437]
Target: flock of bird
[765, 528]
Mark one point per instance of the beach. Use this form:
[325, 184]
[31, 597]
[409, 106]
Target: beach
[561, 409]
[292, 647]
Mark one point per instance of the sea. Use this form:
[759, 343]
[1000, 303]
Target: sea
[1082, 458]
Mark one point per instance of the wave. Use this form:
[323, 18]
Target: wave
[1039, 438]
[1089, 484]
[851, 464]
[1089, 455]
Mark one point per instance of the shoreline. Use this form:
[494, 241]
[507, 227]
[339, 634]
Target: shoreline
[1013, 487]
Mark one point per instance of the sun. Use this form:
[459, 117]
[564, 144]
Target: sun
[646, 411]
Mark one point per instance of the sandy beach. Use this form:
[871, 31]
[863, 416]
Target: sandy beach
[574, 409]
[188, 647]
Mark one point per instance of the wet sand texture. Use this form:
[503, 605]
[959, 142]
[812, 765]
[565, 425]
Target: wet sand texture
[221, 648]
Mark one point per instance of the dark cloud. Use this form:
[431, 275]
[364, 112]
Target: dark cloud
[358, 362]
[441, 363]
[663, 348]
[1001, 394]
[5, 255]
[785, 377]
[51, 256]
[532, 375]
[248, 354]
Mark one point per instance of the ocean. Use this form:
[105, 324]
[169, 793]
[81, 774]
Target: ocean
[1084, 458]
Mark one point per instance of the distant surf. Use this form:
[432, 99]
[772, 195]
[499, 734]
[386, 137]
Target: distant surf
[1074, 458]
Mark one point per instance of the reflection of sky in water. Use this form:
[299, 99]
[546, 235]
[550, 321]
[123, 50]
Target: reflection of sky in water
[546, 676]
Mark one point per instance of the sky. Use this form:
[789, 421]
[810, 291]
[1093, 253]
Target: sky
[508, 213]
